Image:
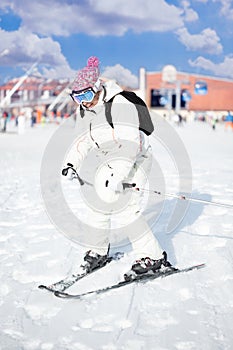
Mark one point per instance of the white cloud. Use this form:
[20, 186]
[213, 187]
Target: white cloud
[102, 17]
[51, 18]
[24, 48]
[122, 75]
[41, 20]
[189, 14]
[207, 41]
[140, 16]
[224, 69]
[58, 71]
[226, 9]
[5, 4]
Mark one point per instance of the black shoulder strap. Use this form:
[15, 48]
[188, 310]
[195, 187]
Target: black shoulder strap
[145, 122]
[108, 107]
[82, 112]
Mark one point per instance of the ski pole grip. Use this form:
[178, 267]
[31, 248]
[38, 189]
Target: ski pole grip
[64, 172]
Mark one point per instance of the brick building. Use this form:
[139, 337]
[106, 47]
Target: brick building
[154, 90]
[32, 92]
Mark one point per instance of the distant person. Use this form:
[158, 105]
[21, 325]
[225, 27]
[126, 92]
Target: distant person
[21, 123]
[229, 121]
[33, 118]
[176, 119]
[180, 119]
[213, 123]
[6, 117]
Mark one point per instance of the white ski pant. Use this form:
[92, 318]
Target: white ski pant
[122, 222]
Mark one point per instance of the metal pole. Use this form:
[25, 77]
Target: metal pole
[178, 83]
[16, 86]
[182, 197]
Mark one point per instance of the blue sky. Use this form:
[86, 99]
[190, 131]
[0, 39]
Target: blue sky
[193, 35]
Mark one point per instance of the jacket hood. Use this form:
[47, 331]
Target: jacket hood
[111, 88]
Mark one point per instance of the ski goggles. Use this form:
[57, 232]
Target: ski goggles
[83, 96]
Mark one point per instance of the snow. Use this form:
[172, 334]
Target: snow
[182, 312]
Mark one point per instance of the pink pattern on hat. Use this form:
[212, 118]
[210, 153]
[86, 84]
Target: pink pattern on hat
[88, 76]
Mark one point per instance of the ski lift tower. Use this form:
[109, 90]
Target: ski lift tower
[6, 100]
[61, 99]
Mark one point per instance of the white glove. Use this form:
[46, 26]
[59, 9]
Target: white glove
[115, 183]
[68, 171]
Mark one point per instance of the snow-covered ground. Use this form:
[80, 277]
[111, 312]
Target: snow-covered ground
[182, 312]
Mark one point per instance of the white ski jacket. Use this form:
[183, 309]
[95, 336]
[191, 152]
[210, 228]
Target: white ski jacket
[116, 148]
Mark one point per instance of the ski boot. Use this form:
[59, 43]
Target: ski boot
[165, 263]
[94, 261]
[148, 265]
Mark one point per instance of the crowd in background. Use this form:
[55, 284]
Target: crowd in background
[28, 117]
[210, 117]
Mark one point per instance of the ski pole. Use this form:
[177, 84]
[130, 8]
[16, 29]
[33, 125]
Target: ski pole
[82, 182]
[181, 197]
[133, 186]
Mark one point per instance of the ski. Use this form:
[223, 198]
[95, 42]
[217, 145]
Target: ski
[70, 280]
[139, 279]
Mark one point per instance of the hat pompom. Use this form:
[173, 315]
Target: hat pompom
[93, 61]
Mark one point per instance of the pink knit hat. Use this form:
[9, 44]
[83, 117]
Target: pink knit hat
[88, 76]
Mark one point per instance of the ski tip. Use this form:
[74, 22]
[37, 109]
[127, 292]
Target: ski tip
[201, 265]
[42, 286]
[196, 267]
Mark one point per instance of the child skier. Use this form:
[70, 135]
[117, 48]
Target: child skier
[121, 143]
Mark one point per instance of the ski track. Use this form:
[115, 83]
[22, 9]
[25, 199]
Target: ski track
[181, 312]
